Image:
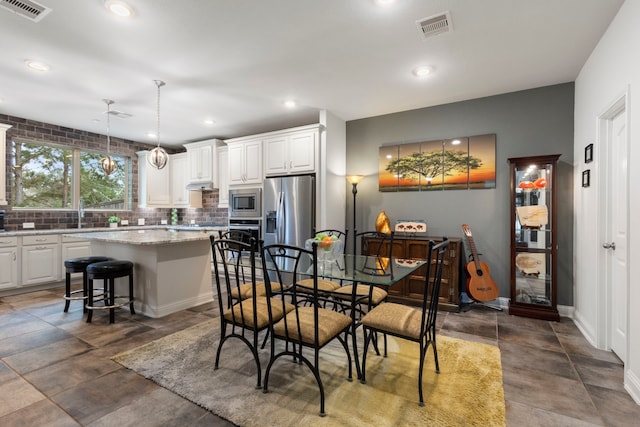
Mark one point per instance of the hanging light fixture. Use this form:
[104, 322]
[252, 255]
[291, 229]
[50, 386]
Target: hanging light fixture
[106, 163]
[158, 156]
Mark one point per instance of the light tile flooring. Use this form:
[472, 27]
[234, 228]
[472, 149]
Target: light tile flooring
[55, 369]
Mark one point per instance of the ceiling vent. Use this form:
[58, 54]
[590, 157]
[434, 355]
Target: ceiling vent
[434, 25]
[26, 8]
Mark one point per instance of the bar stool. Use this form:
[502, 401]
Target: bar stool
[78, 265]
[109, 271]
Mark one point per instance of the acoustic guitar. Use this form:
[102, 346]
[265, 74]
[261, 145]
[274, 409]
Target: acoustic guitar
[480, 286]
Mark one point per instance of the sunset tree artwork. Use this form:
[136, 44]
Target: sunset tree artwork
[458, 163]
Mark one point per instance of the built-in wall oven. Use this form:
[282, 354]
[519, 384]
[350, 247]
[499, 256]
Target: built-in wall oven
[253, 226]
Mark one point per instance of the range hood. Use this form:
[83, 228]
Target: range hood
[201, 185]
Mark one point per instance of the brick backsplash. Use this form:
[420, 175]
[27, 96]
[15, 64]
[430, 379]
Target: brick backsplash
[46, 219]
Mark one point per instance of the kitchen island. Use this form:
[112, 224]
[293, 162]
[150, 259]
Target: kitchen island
[172, 268]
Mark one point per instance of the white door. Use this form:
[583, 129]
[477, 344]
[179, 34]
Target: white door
[617, 242]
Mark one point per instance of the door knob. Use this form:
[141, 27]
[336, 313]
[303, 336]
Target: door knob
[611, 245]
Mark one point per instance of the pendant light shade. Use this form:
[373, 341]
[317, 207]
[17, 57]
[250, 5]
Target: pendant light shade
[158, 157]
[106, 163]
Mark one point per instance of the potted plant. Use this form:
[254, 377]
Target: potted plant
[113, 221]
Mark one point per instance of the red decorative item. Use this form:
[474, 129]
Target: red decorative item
[540, 183]
[526, 185]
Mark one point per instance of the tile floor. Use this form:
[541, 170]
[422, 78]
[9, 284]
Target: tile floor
[55, 369]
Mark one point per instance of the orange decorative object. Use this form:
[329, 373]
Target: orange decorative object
[526, 185]
[540, 183]
[382, 223]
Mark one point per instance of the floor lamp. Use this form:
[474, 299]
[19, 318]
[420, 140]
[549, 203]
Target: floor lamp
[354, 180]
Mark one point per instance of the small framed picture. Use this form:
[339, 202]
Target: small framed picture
[586, 178]
[588, 153]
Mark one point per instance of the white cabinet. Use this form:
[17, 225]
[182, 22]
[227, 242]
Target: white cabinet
[290, 153]
[154, 185]
[245, 162]
[72, 247]
[40, 259]
[8, 262]
[179, 180]
[223, 177]
[202, 157]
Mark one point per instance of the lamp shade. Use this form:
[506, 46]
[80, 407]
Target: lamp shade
[354, 179]
[158, 157]
[107, 164]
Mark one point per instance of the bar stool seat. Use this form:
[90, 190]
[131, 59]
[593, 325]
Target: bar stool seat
[109, 271]
[78, 265]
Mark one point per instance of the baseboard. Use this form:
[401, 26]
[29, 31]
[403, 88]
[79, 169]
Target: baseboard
[632, 385]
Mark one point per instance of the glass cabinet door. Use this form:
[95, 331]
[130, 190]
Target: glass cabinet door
[533, 242]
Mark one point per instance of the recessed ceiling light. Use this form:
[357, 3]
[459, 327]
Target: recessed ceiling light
[422, 71]
[290, 104]
[455, 142]
[119, 8]
[384, 2]
[152, 135]
[37, 65]
[209, 122]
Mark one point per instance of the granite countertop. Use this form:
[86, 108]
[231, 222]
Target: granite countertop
[147, 237]
[76, 231]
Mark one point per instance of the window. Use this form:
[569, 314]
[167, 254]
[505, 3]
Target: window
[47, 176]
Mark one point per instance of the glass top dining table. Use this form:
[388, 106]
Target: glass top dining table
[373, 270]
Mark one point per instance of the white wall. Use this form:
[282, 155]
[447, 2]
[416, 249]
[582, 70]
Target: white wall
[331, 182]
[612, 69]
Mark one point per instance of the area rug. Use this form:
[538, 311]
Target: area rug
[467, 392]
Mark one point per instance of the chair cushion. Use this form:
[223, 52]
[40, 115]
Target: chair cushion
[246, 290]
[396, 319]
[306, 285]
[262, 312]
[330, 324]
[377, 294]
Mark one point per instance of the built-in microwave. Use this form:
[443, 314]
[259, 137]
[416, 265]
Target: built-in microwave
[245, 203]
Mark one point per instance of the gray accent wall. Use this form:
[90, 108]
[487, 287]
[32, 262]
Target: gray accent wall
[526, 123]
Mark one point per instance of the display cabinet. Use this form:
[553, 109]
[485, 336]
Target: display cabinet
[533, 237]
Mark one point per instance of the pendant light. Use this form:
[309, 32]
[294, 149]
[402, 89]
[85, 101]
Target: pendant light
[158, 156]
[106, 163]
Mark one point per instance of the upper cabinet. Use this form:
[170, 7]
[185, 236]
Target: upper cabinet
[291, 152]
[202, 157]
[245, 161]
[223, 177]
[154, 185]
[181, 197]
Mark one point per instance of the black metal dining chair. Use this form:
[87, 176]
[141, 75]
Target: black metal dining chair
[234, 264]
[410, 323]
[324, 284]
[376, 244]
[310, 325]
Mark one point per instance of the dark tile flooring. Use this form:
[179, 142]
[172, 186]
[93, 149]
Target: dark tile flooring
[55, 369]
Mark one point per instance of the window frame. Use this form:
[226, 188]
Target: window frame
[75, 176]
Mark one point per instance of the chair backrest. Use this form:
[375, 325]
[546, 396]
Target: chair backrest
[436, 256]
[234, 264]
[375, 243]
[285, 264]
[341, 235]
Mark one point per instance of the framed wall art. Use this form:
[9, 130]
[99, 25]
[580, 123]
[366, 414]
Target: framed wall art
[588, 153]
[451, 164]
[586, 178]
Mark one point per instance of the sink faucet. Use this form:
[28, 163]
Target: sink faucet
[80, 212]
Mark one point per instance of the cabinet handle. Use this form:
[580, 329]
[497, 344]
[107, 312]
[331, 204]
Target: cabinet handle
[41, 240]
[42, 247]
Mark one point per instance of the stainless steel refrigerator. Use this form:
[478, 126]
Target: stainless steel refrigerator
[289, 205]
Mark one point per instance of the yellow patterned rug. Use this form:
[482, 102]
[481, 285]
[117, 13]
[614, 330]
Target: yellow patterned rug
[467, 392]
